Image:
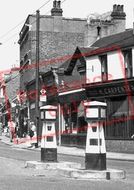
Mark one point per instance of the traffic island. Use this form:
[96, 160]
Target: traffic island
[92, 174]
[52, 165]
[74, 170]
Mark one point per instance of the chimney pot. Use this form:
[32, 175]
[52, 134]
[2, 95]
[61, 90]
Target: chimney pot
[56, 10]
[54, 4]
[114, 8]
[118, 8]
[118, 12]
[58, 4]
[122, 8]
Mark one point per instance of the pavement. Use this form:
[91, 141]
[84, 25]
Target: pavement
[27, 144]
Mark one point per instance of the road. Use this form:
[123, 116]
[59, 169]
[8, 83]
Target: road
[14, 175]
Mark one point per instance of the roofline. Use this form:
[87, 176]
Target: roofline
[34, 80]
[105, 49]
[24, 24]
[49, 16]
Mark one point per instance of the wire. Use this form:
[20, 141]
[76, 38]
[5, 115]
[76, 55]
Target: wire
[11, 29]
[10, 38]
[22, 21]
[44, 4]
[48, 11]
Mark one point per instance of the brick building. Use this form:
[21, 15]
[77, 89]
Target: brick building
[60, 36]
[9, 89]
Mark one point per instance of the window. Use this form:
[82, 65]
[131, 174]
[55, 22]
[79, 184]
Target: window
[21, 63]
[25, 57]
[104, 72]
[128, 62]
[98, 31]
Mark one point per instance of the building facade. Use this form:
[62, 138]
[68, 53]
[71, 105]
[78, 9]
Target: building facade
[60, 36]
[58, 39]
[9, 90]
[105, 73]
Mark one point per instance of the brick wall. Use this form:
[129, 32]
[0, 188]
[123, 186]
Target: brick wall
[12, 87]
[79, 140]
[60, 36]
[57, 44]
[126, 146]
[52, 45]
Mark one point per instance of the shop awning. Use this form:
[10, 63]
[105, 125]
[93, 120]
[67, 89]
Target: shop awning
[72, 96]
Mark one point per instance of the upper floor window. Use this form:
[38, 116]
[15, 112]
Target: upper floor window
[128, 62]
[25, 57]
[104, 72]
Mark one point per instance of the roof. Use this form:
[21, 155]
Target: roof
[109, 43]
[123, 39]
[72, 81]
[79, 52]
[65, 64]
[85, 51]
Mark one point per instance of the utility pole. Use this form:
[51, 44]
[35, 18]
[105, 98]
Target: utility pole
[37, 74]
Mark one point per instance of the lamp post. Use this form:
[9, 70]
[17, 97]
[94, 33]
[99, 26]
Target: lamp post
[37, 74]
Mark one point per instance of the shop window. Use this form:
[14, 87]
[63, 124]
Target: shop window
[82, 125]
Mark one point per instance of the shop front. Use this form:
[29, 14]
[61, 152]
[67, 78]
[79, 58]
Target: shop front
[119, 128]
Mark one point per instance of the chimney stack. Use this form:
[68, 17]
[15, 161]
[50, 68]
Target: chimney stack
[118, 12]
[56, 10]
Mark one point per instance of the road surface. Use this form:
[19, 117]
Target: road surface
[14, 175]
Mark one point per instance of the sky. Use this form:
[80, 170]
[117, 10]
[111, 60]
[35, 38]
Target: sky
[13, 13]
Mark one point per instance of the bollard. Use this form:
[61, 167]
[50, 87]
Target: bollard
[48, 139]
[95, 156]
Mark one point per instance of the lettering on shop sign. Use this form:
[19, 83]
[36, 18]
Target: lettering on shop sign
[112, 90]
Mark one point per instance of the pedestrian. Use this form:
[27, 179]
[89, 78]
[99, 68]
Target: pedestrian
[11, 125]
[17, 132]
[25, 127]
[31, 132]
[34, 128]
